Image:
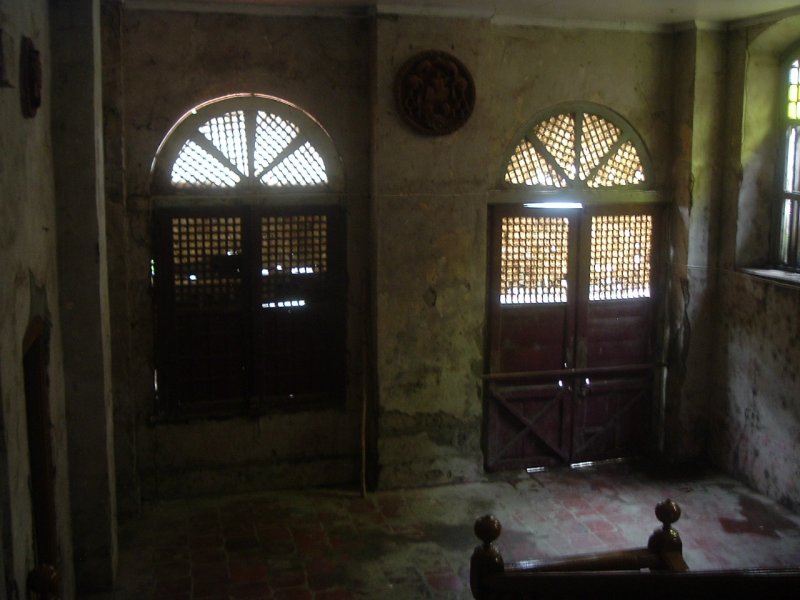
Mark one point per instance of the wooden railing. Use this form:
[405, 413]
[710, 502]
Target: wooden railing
[657, 571]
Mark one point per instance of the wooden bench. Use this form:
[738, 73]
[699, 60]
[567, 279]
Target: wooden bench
[656, 571]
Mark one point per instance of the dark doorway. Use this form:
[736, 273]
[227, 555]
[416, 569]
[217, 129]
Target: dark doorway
[43, 580]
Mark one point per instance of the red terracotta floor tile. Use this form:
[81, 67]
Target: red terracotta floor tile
[335, 545]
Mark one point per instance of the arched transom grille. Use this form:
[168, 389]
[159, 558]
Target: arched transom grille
[247, 148]
[577, 149]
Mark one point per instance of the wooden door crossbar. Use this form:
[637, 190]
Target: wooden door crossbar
[529, 423]
[589, 371]
[611, 421]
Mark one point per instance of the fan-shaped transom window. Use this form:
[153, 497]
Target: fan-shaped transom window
[578, 146]
[246, 142]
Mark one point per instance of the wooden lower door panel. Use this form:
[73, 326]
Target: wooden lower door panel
[528, 424]
[299, 353]
[207, 355]
[610, 417]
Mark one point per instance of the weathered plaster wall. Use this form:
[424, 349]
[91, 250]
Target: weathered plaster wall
[116, 229]
[431, 197]
[757, 421]
[758, 425]
[429, 203]
[172, 62]
[698, 94]
[83, 288]
[28, 289]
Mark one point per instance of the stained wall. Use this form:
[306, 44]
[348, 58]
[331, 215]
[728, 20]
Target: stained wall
[417, 210]
[160, 65]
[431, 197]
[698, 94]
[756, 433]
[28, 289]
[417, 213]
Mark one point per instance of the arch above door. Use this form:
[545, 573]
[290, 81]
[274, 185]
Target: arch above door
[577, 145]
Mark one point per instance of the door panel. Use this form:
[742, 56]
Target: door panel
[532, 301]
[530, 423]
[618, 332]
[570, 363]
[533, 339]
[250, 308]
[610, 417]
[202, 335]
[300, 316]
[208, 356]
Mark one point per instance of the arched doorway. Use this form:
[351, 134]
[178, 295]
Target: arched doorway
[572, 345]
[249, 270]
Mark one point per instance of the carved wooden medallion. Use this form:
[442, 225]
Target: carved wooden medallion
[435, 92]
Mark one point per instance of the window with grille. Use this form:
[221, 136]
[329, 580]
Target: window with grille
[533, 260]
[572, 328]
[788, 251]
[619, 262]
[250, 282]
[206, 259]
[578, 146]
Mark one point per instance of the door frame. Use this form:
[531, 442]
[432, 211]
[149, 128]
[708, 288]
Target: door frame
[575, 367]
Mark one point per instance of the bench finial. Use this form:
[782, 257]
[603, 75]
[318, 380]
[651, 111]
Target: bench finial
[486, 558]
[666, 541]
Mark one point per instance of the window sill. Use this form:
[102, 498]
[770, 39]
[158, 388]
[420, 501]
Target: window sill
[778, 276]
[224, 413]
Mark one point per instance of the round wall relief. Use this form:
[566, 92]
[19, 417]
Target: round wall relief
[435, 93]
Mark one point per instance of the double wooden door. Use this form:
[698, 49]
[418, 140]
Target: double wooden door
[571, 334]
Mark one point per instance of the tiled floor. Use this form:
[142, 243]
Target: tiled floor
[327, 544]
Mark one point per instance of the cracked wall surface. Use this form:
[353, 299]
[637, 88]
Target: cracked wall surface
[699, 80]
[431, 198]
[28, 289]
[417, 210]
[756, 421]
[758, 426]
[171, 62]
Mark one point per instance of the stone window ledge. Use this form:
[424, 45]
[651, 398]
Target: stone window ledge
[777, 276]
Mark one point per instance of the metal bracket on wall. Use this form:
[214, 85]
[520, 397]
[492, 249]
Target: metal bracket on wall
[30, 78]
[8, 71]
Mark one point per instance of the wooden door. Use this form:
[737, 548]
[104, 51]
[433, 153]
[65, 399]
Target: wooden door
[202, 333]
[300, 322]
[571, 335]
[250, 308]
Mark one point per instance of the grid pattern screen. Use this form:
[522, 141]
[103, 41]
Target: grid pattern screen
[247, 147]
[533, 261]
[620, 257]
[207, 253]
[294, 254]
[576, 149]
